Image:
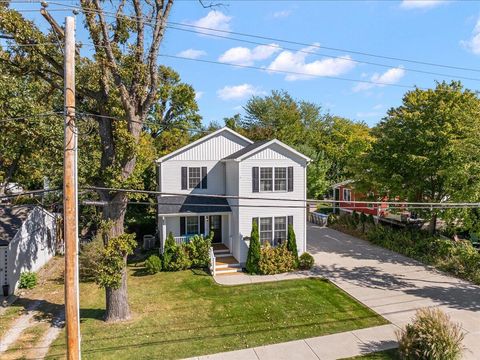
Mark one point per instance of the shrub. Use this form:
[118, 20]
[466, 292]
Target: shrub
[355, 218]
[332, 219]
[370, 219]
[253, 257]
[198, 251]
[89, 259]
[28, 280]
[306, 261]
[179, 259]
[153, 264]
[431, 336]
[168, 250]
[292, 244]
[275, 260]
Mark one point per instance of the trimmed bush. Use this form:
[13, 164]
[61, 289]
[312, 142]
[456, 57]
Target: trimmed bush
[198, 251]
[253, 257]
[28, 280]
[178, 259]
[431, 336]
[292, 244]
[306, 261]
[153, 264]
[275, 260]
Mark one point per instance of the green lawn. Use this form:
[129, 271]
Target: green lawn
[183, 314]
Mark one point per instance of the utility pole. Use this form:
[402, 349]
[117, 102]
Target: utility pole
[70, 200]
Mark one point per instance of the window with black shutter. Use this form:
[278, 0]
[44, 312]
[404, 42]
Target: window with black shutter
[255, 179]
[184, 178]
[182, 226]
[204, 177]
[290, 220]
[290, 178]
[202, 224]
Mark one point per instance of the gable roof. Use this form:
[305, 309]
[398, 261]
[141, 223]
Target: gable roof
[343, 183]
[250, 149]
[202, 139]
[246, 150]
[11, 220]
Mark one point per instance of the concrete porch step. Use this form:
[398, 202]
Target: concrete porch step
[228, 271]
[226, 261]
[223, 255]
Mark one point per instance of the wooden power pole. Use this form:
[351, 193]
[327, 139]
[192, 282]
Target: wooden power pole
[70, 200]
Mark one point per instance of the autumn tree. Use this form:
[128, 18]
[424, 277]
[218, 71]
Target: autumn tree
[121, 79]
[427, 149]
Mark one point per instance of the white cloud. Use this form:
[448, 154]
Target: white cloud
[282, 14]
[199, 95]
[296, 62]
[245, 56]
[367, 114]
[473, 44]
[420, 4]
[378, 107]
[391, 76]
[192, 53]
[237, 92]
[213, 20]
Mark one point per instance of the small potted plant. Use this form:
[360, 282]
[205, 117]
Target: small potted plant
[6, 289]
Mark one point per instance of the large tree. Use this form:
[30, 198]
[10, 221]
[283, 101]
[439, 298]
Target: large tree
[121, 79]
[427, 149]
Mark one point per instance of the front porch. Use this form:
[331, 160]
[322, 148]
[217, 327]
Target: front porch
[224, 261]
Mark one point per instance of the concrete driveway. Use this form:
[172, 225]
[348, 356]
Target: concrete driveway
[393, 285]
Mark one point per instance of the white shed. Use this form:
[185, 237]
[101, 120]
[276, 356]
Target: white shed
[27, 242]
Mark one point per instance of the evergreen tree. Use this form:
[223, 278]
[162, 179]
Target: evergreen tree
[253, 251]
[168, 250]
[292, 243]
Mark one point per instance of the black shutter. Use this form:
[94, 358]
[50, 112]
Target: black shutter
[202, 224]
[290, 220]
[254, 179]
[182, 226]
[184, 178]
[290, 178]
[204, 177]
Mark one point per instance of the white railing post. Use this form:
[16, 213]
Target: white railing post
[212, 261]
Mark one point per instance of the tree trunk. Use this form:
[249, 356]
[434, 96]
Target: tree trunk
[433, 224]
[117, 308]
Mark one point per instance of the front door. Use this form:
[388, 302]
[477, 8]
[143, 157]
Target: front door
[216, 227]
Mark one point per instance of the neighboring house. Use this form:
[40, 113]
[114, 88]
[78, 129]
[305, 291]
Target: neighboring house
[245, 175]
[345, 196]
[27, 241]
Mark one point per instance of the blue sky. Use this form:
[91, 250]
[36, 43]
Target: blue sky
[429, 31]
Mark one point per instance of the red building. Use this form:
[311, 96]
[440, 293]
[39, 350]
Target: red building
[348, 200]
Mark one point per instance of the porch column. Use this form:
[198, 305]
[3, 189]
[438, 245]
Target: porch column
[230, 239]
[164, 234]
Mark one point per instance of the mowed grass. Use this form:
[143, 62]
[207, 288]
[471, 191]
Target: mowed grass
[183, 314]
[381, 355]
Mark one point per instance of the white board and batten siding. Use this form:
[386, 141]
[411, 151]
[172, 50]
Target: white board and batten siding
[207, 153]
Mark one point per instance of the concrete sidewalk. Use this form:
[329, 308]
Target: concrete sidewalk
[335, 346]
[391, 284]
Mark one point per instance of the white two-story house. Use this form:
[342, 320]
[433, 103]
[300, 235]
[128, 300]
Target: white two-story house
[222, 183]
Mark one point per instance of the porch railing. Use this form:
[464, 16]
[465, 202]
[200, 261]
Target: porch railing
[185, 239]
[212, 261]
[318, 218]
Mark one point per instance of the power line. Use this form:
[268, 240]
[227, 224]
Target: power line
[268, 38]
[315, 201]
[31, 192]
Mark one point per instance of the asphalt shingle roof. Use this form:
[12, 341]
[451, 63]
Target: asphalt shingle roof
[246, 149]
[191, 204]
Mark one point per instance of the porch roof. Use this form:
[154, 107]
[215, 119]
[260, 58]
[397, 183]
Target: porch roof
[191, 204]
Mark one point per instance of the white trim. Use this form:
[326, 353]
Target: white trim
[204, 138]
[196, 214]
[267, 144]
